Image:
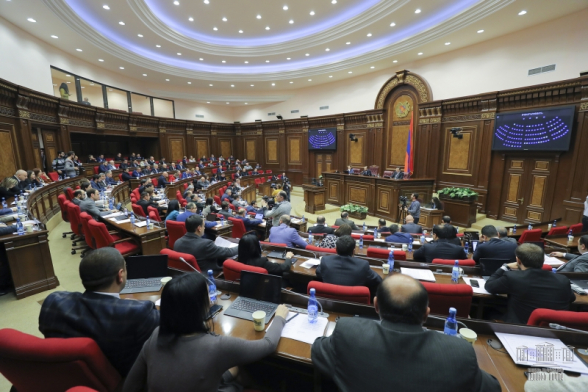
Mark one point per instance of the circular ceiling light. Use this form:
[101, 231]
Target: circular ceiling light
[246, 62]
[232, 85]
[285, 8]
[480, 31]
[176, 3]
[207, 2]
[417, 11]
[273, 84]
[291, 82]
[189, 82]
[106, 7]
[307, 54]
[372, 67]
[311, 13]
[121, 23]
[122, 67]
[348, 43]
[140, 35]
[333, 1]
[252, 85]
[79, 50]
[167, 80]
[392, 24]
[201, 59]
[291, 21]
[310, 80]
[327, 50]
[158, 46]
[350, 72]
[215, 28]
[179, 54]
[447, 43]
[288, 58]
[210, 85]
[224, 61]
[246, 103]
[54, 36]
[191, 19]
[369, 34]
[240, 31]
[227, 103]
[267, 27]
[258, 16]
[395, 61]
[267, 61]
[330, 76]
[224, 19]
[32, 20]
[420, 53]
[101, 60]
[144, 74]
[523, 12]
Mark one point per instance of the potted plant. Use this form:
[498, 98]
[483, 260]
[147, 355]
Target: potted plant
[355, 211]
[465, 194]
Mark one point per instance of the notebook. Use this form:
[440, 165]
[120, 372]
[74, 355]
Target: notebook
[256, 292]
[144, 273]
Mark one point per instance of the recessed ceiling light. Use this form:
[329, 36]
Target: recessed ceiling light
[307, 54]
[285, 8]
[144, 74]
[227, 103]
[101, 60]
[330, 76]
[246, 62]
[310, 80]
[191, 19]
[273, 84]
[32, 20]
[179, 54]
[68, 76]
[333, 1]
[215, 28]
[232, 85]
[392, 24]
[240, 31]
[54, 36]
[523, 12]
[288, 58]
[291, 21]
[70, 82]
[122, 67]
[291, 82]
[369, 34]
[417, 11]
[258, 16]
[207, 101]
[106, 7]
[447, 43]
[224, 19]
[79, 50]
[350, 72]
[121, 23]
[189, 82]
[327, 49]
[206, 2]
[267, 61]
[246, 103]
[140, 35]
[176, 3]
[395, 61]
[211, 85]
[311, 13]
[252, 85]
[348, 43]
[480, 31]
[420, 53]
[83, 87]
[167, 80]
[224, 61]
[267, 27]
[201, 59]
[158, 46]
[372, 67]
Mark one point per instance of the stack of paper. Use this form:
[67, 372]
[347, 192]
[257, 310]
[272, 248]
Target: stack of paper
[552, 261]
[221, 242]
[301, 330]
[141, 223]
[419, 274]
[310, 263]
[113, 214]
[481, 283]
[295, 220]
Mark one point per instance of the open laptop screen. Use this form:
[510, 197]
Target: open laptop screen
[145, 267]
[260, 287]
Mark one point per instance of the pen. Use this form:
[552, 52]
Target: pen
[291, 318]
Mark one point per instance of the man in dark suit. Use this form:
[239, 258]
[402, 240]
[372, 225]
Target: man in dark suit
[403, 356]
[249, 222]
[89, 206]
[382, 228]
[124, 165]
[576, 263]
[398, 174]
[120, 327]
[21, 177]
[345, 270]
[452, 230]
[440, 248]
[398, 237]
[528, 286]
[207, 254]
[137, 172]
[492, 247]
[146, 202]
[344, 219]
[162, 180]
[366, 172]
[410, 226]
[127, 175]
[503, 235]
[227, 196]
[321, 227]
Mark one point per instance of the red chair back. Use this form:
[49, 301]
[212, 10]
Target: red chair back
[138, 210]
[366, 237]
[217, 200]
[155, 212]
[214, 170]
[268, 172]
[155, 182]
[175, 231]
[172, 178]
[546, 267]
[558, 230]
[61, 199]
[54, 176]
[100, 234]
[273, 244]
[445, 296]
[531, 236]
[462, 263]
[55, 364]
[232, 269]
[260, 171]
[173, 260]
[542, 317]
[380, 253]
[238, 228]
[70, 193]
[85, 217]
[96, 168]
[81, 389]
[73, 213]
[183, 202]
[358, 294]
[577, 228]
[317, 249]
[120, 177]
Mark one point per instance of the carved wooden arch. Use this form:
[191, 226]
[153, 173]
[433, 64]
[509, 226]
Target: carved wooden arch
[405, 77]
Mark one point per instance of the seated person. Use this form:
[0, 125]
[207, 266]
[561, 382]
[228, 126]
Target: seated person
[109, 180]
[227, 196]
[576, 263]
[110, 166]
[397, 236]
[344, 220]
[162, 180]
[452, 230]
[349, 170]
[146, 202]
[191, 209]
[91, 159]
[250, 254]
[330, 240]
[528, 286]
[118, 157]
[503, 235]
[284, 234]
[249, 222]
[208, 255]
[382, 228]
[119, 326]
[403, 356]
[185, 330]
[238, 202]
[439, 248]
[437, 205]
[94, 182]
[137, 172]
[398, 174]
[254, 208]
[9, 187]
[225, 210]
[173, 210]
[151, 161]
[89, 206]
[208, 207]
[103, 167]
[366, 172]
[124, 165]
[345, 270]
[247, 167]
[202, 183]
[410, 226]
[79, 195]
[492, 247]
[321, 227]
[31, 182]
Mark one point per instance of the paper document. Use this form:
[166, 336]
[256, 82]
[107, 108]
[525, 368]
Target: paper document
[379, 240]
[120, 221]
[300, 329]
[429, 239]
[552, 261]
[415, 242]
[158, 302]
[396, 250]
[310, 263]
[140, 224]
[419, 274]
[541, 352]
[294, 220]
[221, 242]
[481, 283]
[113, 214]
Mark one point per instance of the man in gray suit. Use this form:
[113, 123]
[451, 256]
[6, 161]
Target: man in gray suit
[343, 219]
[89, 205]
[410, 226]
[283, 207]
[576, 263]
[503, 235]
[70, 169]
[403, 356]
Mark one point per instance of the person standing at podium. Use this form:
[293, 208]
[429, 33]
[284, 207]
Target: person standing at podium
[415, 207]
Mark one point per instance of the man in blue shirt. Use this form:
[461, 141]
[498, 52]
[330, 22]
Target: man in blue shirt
[397, 236]
[137, 173]
[103, 168]
[109, 180]
[249, 223]
[284, 234]
[253, 208]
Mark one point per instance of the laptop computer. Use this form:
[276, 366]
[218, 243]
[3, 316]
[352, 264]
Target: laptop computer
[258, 216]
[489, 266]
[211, 218]
[256, 292]
[144, 273]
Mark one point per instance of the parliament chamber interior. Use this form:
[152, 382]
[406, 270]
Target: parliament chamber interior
[333, 195]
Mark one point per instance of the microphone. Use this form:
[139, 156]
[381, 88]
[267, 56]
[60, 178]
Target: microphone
[322, 314]
[191, 266]
[564, 328]
[443, 319]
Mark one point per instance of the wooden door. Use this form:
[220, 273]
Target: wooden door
[323, 163]
[527, 187]
[50, 144]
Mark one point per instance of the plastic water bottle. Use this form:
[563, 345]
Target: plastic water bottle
[132, 219]
[361, 241]
[4, 205]
[410, 240]
[211, 288]
[530, 227]
[126, 212]
[451, 323]
[147, 221]
[423, 240]
[303, 220]
[554, 270]
[466, 248]
[391, 260]
[312, 307]
[59, 178]
[222, 220]
[111, 204]
[570, 236]
[554, 223]
[19, 227]
[364, 227]
[310, 239]
[455, 272]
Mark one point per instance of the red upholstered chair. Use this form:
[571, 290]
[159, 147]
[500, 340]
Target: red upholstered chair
[54, 365]
[173, 260]
[84, 218]
[61, 199]
[185, 186]
[96, 169]
[317, 249]
[75, 223]
[154, 216]
[558, 230]
[531, 236]
[547, 267]
[220, 192]
[335, 227]
[120, 177]
[134, 200]
[232, 269]
[138, 210]
[117, 165]
[238, 227]
[273, 244]
[279, 176]
[358, 294]
[54, 176]
[462, 263]
[268, 172]
[81, 389]
[232, 207]
[175, 231]
[155, 182]
[444, 296]
[217, 199]
[155, 211]
[366, 237]
[387, 174]
[250, 172]
[136, 193]
[171, 178]
[260, 171]
[380, 253]
[214, 170]
[183, 202]
[542, 317]
[577, 228]
[69, 193]
[103, 239]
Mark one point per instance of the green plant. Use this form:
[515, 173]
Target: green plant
[354, 208]
[457, 192]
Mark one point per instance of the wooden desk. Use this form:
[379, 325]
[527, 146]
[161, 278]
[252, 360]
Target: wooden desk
[314, 197]
[544, 226]
[430, 217]
[560, 241]
[151, 241]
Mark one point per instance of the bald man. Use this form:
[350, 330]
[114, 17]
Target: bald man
[21, 177]
[402, 355]
[410, 226]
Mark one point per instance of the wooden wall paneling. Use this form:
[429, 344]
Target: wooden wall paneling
[513, 190]
[459, 153]
[357, 151]
[295, 150]
[50, 143]
[176, 148]
[36, 148]
[250, 144]
[225, 147]
[386, 201]
[8, 147]
[271, 148]
[202, 146]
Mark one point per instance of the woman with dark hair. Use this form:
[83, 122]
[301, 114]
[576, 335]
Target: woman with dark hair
[209, 207]
[173, 210]
[436, 203]
[31, 180]
[330, 240]
[41, 176]
[183, 355]
[250, 254]
[64, 90]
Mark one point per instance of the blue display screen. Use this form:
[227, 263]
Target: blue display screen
[322, 139]
[548, 129]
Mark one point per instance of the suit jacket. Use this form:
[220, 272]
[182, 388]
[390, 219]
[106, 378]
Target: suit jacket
[348, 271]
[366, 173]
[283, 234]
[341, 221]
[321, 229]
[402, 357]
[440, 249]
[496, 249]
[272, 268]
[398, 176]
[123, 166]
[226, 197]
[398, 237]
[411, 228]
[120, 327]
[227, 214]
[161, 182]
[136, 174]
[102, 168]
[127, 176]
[249, 223]
[576, 263]
[147, 203]
[282, 208]
[88, 205]
[207, 254]
[530, 289]
[110, 181]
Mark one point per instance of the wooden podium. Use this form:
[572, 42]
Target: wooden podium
[314, 197]
[430, 217]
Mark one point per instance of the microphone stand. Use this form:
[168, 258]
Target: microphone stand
[583, 351]
[321, 314]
